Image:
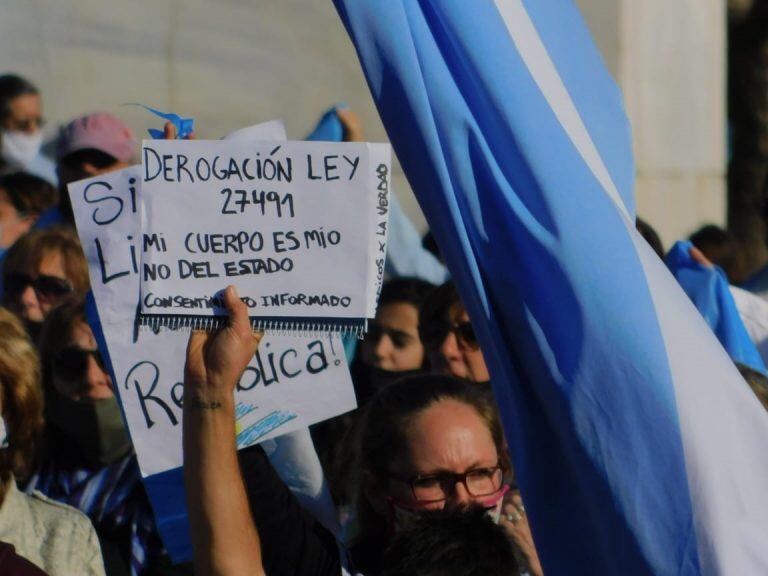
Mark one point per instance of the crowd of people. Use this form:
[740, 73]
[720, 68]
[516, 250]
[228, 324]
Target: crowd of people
[420, 472]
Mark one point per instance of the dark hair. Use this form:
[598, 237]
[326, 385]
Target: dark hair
[465, 543]
[651, 236]
[93, 156]
[722, 248]
[71, 168]
[388, 416]
[411, 290]
[435, 309]
[18, 260]
[711, 235]
[11, 87]
[29, 194]
[429, 243]
[391, 410]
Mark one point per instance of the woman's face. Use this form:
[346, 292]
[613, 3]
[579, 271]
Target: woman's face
[78, 370]
[21, 298]
[392, 342]
[458, 356]
[449, 437]
[12, 224]
[57, 285]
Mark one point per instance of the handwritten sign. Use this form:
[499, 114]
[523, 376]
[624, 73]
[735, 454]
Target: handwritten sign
[291, 383]
[298, 227]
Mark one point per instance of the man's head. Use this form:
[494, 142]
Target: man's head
[722, 248]
[91, 145]
[23, 197]
[21, 118]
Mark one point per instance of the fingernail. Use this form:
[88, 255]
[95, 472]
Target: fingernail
[232, 292]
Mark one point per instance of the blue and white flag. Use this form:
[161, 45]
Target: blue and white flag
[708, 289]
[636, 447]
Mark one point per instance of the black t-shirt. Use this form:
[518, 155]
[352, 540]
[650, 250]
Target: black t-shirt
[293, 543]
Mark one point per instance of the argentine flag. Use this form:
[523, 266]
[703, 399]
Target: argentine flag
[637, 447]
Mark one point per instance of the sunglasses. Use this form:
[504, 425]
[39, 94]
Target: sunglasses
[49, 286]
[435, 333]
[72, 362]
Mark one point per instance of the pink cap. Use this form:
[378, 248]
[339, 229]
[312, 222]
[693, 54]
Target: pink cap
[101, 131]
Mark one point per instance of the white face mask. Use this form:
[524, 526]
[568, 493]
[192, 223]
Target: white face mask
[20, 148]
[3, 434]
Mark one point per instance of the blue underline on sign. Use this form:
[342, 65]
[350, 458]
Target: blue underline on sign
[242, 410]
[263, 427]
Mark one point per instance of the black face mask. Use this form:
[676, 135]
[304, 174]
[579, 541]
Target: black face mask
[368, 380]
[96, 427]
[34, 329]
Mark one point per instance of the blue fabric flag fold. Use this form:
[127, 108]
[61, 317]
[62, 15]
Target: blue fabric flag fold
[329, 128]
[184, 126]
[709, 291]
[514, 139]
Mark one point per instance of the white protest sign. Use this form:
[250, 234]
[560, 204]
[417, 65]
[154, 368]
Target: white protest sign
[297, 226]
[272, 130]
[291, 383]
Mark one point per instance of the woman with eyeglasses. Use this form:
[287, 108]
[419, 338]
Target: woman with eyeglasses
[87, 459]
[59, 266]
[40, 270]
[428, 442]
[391, 349]
[448, 337]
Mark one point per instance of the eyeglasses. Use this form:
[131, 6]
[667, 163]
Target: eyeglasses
[433, 334]
[49, 286]
[376, 331]
[72, 362]
[439, 487]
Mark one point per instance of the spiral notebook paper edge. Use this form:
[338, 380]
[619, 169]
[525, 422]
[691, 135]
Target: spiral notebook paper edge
[307, 327]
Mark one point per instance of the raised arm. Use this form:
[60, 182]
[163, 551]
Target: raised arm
[224, 538]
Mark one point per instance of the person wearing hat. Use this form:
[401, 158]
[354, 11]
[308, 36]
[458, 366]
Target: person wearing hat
[88, 146]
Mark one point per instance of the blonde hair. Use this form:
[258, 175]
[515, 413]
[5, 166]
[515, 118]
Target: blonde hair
[22, 397]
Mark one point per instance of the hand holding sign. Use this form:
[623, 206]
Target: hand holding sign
[216, 495]
[215, 362]
[288, 384]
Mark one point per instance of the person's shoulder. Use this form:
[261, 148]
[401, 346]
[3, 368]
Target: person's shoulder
[56, 514]
[58, 535]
